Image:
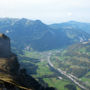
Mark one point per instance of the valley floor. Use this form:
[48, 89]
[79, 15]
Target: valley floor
[47, 75]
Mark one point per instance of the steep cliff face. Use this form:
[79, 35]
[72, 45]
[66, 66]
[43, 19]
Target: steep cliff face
[4, 46]
[8, 60]
[11, 76]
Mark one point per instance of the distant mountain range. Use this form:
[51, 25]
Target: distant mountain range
[72, 25]
[34, 34]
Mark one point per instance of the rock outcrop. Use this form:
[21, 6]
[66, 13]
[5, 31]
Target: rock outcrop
[11, 77]
[8, 60]
[4, 46]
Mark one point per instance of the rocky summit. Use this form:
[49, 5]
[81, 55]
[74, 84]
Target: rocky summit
[11, 76]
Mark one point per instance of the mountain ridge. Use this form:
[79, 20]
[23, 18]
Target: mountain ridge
[38, 36]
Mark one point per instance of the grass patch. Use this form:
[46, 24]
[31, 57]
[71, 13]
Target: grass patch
[43, 69]
[59, 84]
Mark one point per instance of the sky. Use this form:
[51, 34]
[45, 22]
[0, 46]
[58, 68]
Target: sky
[49, 11]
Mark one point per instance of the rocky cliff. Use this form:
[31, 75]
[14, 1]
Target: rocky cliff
[4, 46]
[11, 76]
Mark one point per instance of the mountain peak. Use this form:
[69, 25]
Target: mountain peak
[38, 21]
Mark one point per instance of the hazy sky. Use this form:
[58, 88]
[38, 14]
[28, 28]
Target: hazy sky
[49, 11]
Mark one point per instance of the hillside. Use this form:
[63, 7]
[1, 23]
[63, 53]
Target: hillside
[75, 60]
[72, 24]
[28, 34]
[12, 77]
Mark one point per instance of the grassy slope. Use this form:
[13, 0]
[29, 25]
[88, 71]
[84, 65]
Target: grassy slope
[76, 60]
